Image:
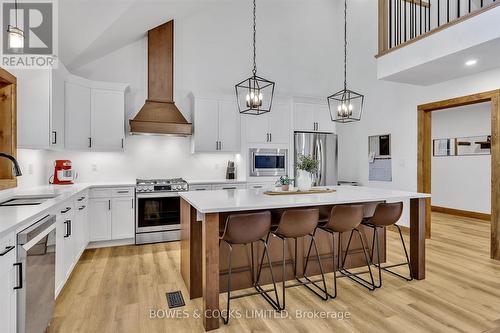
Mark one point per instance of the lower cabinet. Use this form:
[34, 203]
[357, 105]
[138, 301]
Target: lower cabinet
[111, 214]
[100, 219]
[122, 218]
[7, 284]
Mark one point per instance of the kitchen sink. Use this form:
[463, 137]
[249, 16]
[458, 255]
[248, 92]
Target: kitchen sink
[31, 200]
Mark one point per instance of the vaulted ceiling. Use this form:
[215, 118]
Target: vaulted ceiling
[90, 29]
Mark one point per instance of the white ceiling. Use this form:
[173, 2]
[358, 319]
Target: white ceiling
[90, 29]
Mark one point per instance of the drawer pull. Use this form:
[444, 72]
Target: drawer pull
[81, 199]
[66, 210]
[7, 250]
[82, 208]
[123, 192]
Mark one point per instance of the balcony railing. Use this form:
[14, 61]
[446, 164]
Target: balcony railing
[405, 21]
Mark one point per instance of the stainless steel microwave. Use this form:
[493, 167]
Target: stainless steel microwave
[265, 162]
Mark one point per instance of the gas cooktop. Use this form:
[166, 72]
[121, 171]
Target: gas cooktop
[161, 185]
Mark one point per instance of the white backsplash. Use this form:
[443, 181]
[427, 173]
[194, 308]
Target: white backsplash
[143, 157]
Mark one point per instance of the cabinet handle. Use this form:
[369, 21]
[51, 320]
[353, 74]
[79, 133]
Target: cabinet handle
[19, 266]
[229, 188]
[66, 224]
[66, 210]
[70, 227]
[132, 203]
[54, 137]
[267, 137]
[257, 187]
[82, 208]
[7, 250]
[122, 143]
[109, 204]
[81, 199]
[216, 145]
[220, 145]
[200, 189]
[122, 192]
[270, 137]
[90, 142]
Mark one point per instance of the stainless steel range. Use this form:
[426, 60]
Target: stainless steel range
[157, 216]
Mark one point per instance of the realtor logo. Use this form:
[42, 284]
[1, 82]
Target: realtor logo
[34, 26]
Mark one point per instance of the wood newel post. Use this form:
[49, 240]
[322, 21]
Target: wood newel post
[383, 23]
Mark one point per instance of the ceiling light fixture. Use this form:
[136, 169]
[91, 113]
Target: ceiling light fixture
[255, 94]
[16, 35]
[471, 62]
[346, 105]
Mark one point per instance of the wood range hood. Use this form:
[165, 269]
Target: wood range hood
[159, 115]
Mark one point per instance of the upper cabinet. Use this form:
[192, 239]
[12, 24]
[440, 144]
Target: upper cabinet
[312, 117]
[216, 126]
[107, 119]
[271, 127]
[58, 110]
[77, 105]
[38, 128]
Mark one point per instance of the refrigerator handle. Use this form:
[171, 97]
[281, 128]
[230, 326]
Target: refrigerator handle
[321, 167]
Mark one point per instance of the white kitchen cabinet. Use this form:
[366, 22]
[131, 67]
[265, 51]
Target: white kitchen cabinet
[57, 106]
[217, 187]
[206, 187]
[216, 126]
[81, 227]
[7, 283]
[40, 108]
[271, 127]
[77, 116]
[65, 243]
[312, 117]
[260, 186]
[107, 119]
[100, 219]
[122, 218]
[229, 126]
[112, 214]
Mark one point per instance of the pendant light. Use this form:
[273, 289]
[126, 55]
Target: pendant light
[346, 105]
[15, 34]
[255, 94]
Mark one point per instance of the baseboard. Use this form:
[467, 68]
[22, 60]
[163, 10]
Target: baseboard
[464, 213]
[404, 230]
[111, 243]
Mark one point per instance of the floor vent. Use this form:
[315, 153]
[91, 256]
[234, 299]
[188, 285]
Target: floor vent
[175, 299]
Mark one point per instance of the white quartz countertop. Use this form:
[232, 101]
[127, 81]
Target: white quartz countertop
[17, 217]
[240, 200]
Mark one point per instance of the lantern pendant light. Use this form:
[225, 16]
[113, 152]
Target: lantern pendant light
[345, 105]
[15, 35]
[255, 94]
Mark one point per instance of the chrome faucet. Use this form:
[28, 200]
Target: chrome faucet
[17, 169]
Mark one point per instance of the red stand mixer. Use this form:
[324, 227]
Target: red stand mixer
[63, 173]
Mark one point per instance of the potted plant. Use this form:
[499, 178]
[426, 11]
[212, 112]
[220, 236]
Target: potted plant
[306, 166]
[284, 182]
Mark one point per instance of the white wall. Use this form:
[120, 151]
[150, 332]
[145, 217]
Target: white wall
[462, 182]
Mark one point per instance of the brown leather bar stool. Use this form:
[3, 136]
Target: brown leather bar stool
[347, 218]
[243, 229]
[387, 214]
[294, 224]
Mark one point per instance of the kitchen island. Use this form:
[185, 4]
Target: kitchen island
[203, 214]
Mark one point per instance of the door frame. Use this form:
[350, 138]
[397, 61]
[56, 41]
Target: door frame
[424, 156]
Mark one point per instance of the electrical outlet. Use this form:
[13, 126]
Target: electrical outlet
[94, 167]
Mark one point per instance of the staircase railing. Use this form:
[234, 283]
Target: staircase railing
[404, 21]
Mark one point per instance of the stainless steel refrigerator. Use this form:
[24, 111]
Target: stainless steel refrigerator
[323, 148]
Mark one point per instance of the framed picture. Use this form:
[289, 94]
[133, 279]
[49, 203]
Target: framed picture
[444, 147]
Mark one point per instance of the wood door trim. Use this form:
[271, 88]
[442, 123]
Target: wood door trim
[424, 156]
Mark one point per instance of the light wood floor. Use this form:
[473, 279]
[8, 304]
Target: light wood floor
[114, 289]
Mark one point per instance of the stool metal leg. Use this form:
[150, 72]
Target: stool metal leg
[355, 276]
[324, 289]
[274, 303]
[386, 268]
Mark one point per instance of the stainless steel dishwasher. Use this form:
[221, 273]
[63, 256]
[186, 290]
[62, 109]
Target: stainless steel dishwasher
[36, 255]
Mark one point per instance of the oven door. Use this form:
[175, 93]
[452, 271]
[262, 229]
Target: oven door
[157, 212]
[268, 162]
